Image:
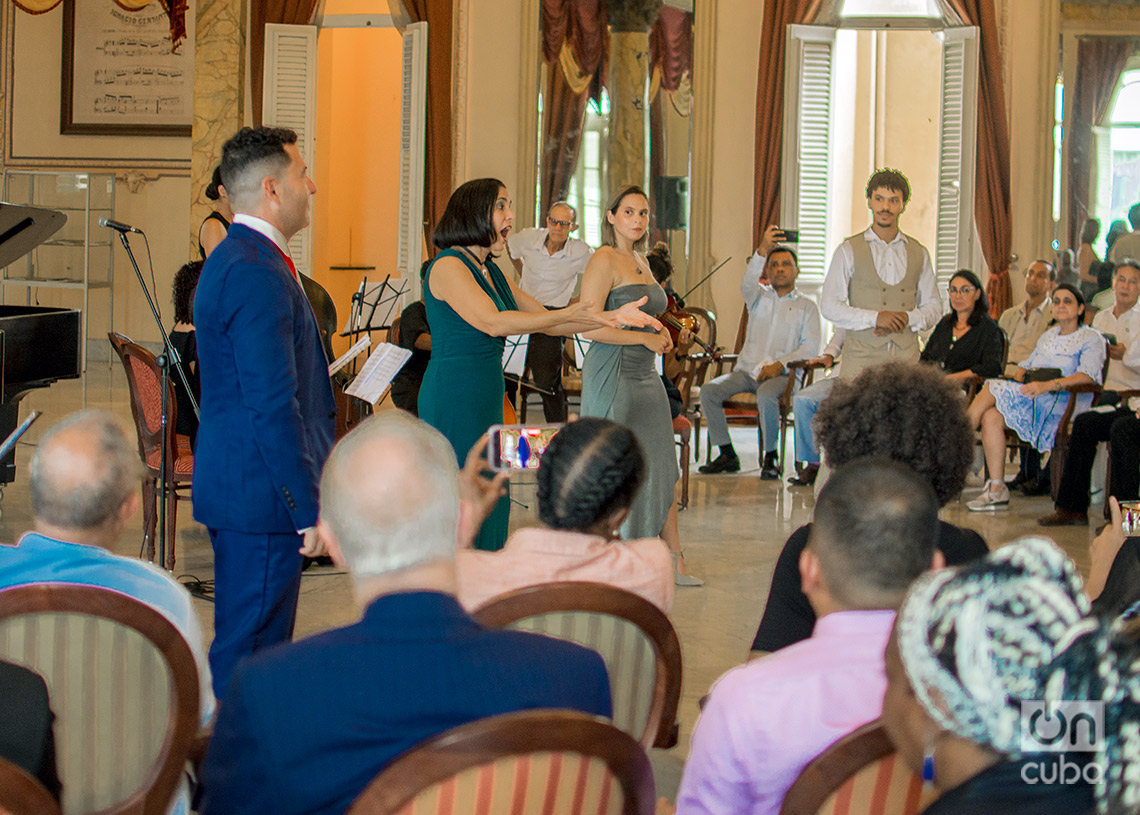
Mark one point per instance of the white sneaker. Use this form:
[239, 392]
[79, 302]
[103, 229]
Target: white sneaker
[995, 497]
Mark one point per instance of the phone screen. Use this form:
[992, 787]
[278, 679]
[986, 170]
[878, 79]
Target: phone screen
[791, 235]
[519, 447]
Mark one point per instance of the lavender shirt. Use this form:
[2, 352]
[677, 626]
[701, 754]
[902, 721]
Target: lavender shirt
[766, 720]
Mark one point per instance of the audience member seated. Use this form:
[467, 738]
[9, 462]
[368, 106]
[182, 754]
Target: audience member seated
[1113, 584]
[182, 338]
[967, 341]
[970, 646]
[83, 480]
[306, 725]
[904, 411]
[1121, 326]
[26, 736]
[805, 404]
[1033, 409]
[783, 326]
[1023, 325]
[588, 477]
[874, 532]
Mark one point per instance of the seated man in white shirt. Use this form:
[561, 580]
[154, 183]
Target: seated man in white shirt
[783, 326]
[1121, 325]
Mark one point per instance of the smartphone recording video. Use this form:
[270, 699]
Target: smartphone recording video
[517, 446]
[790, 235]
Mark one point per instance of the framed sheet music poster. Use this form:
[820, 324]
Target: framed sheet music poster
[120, 77]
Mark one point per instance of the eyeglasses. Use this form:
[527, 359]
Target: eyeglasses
[963, 290]
[556, 222]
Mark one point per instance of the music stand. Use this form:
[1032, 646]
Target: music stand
[382, 298]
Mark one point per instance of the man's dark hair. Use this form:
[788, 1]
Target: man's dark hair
[1090, 230]
[1048, 265]
[591, 468]
[782, 248]
[215, 182]
[874, 530]
[185, 282]
[1134, 215]
[981, 307]
[250, 155]
[889, 179]
[904, 411]
[466, 220]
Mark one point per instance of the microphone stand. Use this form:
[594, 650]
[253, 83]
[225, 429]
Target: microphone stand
[168, 356]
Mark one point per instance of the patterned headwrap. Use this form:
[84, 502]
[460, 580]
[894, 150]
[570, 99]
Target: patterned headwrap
[975, 640]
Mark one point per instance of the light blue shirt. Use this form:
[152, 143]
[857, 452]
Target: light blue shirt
[780, 329]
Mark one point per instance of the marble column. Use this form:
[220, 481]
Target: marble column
[626, 145]
[219, 95]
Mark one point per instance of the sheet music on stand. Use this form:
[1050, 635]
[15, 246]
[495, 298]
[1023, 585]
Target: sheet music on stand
[514, 354]
[349, 355]
[373, 306]
[383, 364]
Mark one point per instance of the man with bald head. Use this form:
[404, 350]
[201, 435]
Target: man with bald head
[415, 664]
[549, 263]
[84, 482]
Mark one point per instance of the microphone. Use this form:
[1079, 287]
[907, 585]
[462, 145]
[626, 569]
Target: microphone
[118, 225]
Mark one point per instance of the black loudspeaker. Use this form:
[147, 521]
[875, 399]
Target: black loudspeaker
[672, 202]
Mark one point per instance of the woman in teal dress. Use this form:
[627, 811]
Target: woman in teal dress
[471, 307]
[619, 378]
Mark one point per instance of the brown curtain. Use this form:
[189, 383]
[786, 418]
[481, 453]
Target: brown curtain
[575, 46]
[261, 12]
[671, 46]
[175, 10]
[778, 15]
[991, 183]
[1099, 63]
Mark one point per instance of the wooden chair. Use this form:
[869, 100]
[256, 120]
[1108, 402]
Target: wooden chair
[23, 794]
[860, 773]
[634, 637]
[549, 761]
[144, 382]
[123, 686]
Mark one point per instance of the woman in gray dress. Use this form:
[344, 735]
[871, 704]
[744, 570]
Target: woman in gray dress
[619, 379]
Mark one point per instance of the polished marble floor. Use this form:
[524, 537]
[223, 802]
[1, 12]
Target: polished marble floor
[732, 532]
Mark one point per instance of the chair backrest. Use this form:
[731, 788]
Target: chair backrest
[144, 382]
[549, 761]
[860, 773]
[124, 688]
[394, 330]
[22, 794]
[634, 637]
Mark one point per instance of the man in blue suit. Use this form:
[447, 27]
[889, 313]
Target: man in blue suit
[268, 415]
[414, 666]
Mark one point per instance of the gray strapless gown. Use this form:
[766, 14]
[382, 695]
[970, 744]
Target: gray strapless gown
[619, 382]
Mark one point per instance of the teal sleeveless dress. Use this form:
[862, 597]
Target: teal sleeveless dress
[621, 383]
[462, 392]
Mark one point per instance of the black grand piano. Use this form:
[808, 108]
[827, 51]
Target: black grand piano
[37, 345]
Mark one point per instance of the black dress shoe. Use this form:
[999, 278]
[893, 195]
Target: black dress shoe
[806, 477]
[770, 470]
[1016, 482]
[1035, 486]
[724, 463]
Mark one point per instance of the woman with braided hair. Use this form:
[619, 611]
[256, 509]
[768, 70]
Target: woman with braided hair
[972, 644]
[587, 480]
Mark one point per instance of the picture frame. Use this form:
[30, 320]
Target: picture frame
[120, 78]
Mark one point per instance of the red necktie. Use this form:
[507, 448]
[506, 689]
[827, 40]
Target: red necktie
[289, 263]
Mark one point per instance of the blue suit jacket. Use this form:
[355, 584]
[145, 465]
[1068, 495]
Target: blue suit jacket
[268, 415]
[305, 726]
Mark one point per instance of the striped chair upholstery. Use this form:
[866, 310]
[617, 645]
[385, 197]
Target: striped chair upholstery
[546, 761]
[858, 775]
[22, 794]
[636, 640]
[123, 686]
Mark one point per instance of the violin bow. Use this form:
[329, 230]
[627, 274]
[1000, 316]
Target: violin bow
[706, 277]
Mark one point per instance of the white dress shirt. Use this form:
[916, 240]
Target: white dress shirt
[1123, 374]
[548, 278]
[890, 264]
[780, 329]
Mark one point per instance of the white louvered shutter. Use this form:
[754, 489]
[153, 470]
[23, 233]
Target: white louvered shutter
[805, 183]
[409, 244]
[289, 100]
[955, 243]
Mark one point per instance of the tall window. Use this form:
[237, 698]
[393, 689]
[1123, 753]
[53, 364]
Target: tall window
[585, 192]
[1118, 154]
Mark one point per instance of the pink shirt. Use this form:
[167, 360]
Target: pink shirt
[766, 720]
[533, 556]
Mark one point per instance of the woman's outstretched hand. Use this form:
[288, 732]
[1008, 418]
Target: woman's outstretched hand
[631, 316]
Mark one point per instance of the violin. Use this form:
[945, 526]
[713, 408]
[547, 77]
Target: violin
[676, 319]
